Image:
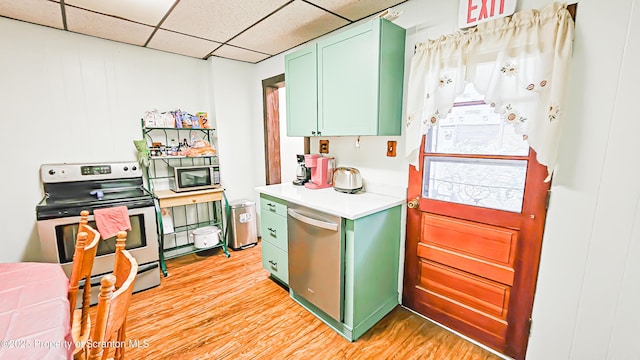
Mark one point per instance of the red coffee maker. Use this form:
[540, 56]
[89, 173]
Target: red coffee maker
[319, 171]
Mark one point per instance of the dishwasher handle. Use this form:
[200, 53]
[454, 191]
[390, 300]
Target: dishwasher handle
[313, 222]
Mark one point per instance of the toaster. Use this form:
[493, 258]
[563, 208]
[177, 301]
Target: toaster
[347, 180]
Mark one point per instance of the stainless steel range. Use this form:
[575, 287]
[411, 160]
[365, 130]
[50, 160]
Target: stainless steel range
[71, 188]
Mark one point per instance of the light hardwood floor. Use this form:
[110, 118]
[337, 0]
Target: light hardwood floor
[211, 307]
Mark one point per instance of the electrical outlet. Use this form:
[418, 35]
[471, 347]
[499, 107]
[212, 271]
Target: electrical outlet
[391, 148]
[324, 146]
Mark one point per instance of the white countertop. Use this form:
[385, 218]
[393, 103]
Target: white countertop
[350, 206]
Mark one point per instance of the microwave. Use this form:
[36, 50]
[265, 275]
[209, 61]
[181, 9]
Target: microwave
[197, 177]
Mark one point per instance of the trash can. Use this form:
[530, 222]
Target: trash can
[242, 231]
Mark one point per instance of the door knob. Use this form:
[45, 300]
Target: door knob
[412, 204]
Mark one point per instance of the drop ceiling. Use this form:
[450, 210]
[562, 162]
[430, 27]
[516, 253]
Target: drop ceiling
[244, 30]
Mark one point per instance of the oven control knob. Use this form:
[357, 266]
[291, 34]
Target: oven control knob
[134, 168]
[126, 168]
[52, 172]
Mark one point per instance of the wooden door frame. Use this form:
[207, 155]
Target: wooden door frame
[270, 87]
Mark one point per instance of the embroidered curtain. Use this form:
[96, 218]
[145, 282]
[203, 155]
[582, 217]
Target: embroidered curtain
[519, 63]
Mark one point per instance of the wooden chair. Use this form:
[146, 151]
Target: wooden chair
[113, 304]
[85, 252]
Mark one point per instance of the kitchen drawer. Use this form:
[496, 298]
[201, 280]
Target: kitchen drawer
[275, 261]
[273, 205]
[273, 229]
[168, 198]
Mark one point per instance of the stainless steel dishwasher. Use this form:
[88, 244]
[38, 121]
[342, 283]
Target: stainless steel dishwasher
[316, 258]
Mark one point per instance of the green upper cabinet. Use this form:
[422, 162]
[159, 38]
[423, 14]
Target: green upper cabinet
[301, 91]
[357, 77]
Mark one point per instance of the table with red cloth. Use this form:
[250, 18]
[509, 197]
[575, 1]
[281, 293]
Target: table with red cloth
[34, 312]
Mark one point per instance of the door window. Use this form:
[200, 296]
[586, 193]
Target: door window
[474, 158]
[67, 234]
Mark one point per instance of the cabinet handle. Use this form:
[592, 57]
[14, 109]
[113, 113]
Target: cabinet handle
[193, 200]
[313, 133]
[272, 231]
[274, 264]
[272, 207]
[319, 133]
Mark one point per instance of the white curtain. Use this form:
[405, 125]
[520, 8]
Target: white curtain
[519, 63]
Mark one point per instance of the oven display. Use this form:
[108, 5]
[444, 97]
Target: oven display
[95, 170]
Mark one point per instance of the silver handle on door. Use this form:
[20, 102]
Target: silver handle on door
[311, 221]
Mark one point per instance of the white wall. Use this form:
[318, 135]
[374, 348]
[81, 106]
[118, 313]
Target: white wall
[589, 268]
[236, 110]
[289, 146]
[72, 98]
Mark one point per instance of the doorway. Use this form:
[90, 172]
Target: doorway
[279, 149]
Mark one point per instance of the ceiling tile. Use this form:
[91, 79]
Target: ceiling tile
[303, 23]
[232, 52]
[356, 9]
[34, 11]
[182, 44]
[106, 27]
[218, 20]
[148, 12]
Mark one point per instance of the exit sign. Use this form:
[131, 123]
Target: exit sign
[473, 12]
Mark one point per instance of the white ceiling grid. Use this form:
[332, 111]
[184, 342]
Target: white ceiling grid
[244, 30]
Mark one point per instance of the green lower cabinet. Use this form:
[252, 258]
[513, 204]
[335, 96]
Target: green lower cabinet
[273, 229]
[275, 261]
[372, 250]
[273, 205]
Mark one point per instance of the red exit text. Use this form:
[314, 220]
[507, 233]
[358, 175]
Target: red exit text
[473, 12]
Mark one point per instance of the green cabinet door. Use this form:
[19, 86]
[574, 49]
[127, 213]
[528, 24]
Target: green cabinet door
[273, 229]
[347, 68]
[360, 80]
[301, 92]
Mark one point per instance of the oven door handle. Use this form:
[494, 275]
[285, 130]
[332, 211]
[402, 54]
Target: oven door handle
[95, 280]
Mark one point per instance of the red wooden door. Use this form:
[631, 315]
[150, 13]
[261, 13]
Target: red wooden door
[475, 233]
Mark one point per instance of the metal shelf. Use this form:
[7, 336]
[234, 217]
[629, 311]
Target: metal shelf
[186, 250]
[190, 227]
[185, 216]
